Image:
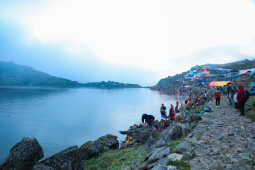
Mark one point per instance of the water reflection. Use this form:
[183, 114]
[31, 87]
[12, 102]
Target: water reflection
[59, 118]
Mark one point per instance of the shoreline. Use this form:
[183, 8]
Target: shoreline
[67, 148]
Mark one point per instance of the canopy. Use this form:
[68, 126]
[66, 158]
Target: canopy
[220, 83]
[200, 80]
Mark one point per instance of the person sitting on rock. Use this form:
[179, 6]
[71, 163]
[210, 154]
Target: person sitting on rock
[148, 119]
[163, 115]
[171, 113]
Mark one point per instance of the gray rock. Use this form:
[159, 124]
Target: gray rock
[217, 165]
[128, 168]
[172, 133]
[42, 167]
[109, 142]
[159, 153]
[91, 149]
[161, 142]
[159, 167]
[183, 147]
[141, 134]
[149, 144]
[64, 160]
[175, 157]
[171, 167]
[23, 155]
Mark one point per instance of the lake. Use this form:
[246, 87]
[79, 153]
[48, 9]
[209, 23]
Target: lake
[60, 118]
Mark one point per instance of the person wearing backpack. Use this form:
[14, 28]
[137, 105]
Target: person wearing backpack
[217, 97]
[242, 97]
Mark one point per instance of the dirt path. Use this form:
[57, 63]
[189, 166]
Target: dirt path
[223, 140]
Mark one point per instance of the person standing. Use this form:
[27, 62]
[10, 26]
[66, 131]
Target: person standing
[217, 97]
[229, 90]
[177, 107]
[242, 97]
[171, 113]
[163, 115]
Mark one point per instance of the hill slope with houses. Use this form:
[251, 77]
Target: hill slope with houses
[240, 72]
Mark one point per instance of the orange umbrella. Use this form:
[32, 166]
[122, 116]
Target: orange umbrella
[220, 83]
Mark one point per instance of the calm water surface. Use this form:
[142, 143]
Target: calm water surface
[60, 118]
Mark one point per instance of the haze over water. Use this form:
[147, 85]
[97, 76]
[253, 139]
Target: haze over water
[60, 118]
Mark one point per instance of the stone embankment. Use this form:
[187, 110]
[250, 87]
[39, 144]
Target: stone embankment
[222, 140]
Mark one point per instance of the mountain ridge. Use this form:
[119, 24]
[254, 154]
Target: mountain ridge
[12, 74]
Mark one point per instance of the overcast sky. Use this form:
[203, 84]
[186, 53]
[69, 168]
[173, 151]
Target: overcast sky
[135, 41]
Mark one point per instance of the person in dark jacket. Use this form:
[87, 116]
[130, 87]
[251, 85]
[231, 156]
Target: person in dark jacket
[240, 99]
[149, 119]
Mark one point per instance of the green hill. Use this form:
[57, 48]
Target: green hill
[16, 75]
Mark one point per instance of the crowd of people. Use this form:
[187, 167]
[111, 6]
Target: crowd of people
[178, 112]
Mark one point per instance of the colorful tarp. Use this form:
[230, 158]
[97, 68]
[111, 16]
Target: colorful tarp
[252, 91]
[220, 83]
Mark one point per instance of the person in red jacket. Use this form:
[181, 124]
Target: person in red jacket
[240, 99]
[171, 113]
[217, 97]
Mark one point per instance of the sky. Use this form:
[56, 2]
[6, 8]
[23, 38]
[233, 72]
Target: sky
[133, 41]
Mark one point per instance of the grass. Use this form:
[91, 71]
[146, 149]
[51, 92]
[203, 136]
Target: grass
[251, 113]
[116, 159]
[180, 165]
[174, 143]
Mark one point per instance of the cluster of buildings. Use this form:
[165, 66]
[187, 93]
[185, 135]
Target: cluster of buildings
[208, 73]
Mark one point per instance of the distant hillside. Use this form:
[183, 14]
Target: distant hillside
[110, 85]
[240, 65]
[16, 75]
[240, 72]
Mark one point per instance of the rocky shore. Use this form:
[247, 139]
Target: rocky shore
[25, 155]
[215, 140]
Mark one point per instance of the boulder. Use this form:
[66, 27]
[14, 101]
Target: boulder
[149, 144]
[172, 133]
[175, 157]
[109, 142]
[91, 149]
[185, 148]
[159, 153]
[64, 160]
[23, 155]
[186, 128]
[160, 167]
[141, 134]
[42, 167]
[195, 118]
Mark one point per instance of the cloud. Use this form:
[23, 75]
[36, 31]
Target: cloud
[159, 36]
